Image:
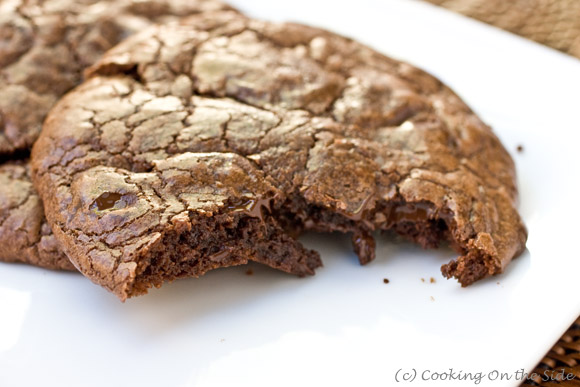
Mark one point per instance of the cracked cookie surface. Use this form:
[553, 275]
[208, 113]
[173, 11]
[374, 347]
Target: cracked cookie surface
[44, 47]
[351, 141]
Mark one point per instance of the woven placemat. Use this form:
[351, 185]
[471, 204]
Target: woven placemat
[563, 361]
[555, 23]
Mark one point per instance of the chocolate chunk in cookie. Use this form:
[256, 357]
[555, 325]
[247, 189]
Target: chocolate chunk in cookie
[349, 140]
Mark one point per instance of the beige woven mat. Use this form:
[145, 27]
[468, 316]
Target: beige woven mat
[555, 23]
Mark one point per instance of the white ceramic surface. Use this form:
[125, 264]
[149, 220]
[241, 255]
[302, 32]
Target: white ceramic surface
[344, 327]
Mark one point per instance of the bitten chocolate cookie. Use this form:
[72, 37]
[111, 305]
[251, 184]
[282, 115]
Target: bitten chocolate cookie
[44, 47]
[327, 132]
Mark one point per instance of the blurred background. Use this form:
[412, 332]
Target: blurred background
[555, 23]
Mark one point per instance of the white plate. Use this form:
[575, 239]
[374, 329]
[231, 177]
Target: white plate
[344, 327]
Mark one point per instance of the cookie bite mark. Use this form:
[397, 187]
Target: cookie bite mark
[194, 245]
[419, 222]
[192, 213]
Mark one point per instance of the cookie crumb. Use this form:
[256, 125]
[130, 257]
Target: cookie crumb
[432, 298]
[249, 272]
[386, 280]
[422, 279]
[520, 148]
[432, 280]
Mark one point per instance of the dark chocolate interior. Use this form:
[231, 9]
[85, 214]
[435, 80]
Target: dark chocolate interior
[245, 230]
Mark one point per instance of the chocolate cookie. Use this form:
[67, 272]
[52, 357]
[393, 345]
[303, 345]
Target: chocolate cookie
[24, 234]
[44, 47]
[333, 135]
